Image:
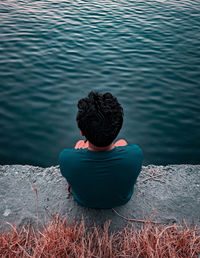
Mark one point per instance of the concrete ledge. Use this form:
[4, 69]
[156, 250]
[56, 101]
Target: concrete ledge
[176, 198]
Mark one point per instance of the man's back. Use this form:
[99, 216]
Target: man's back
[102, 179]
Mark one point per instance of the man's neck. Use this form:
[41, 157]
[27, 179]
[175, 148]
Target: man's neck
[95, 148]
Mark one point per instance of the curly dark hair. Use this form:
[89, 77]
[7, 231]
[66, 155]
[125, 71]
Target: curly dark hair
[100, 118]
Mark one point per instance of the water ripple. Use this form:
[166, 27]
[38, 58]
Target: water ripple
[145, 52]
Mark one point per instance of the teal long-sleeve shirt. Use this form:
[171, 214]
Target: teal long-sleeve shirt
[102, 179]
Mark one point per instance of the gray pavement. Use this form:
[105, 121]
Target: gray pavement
[174, 193]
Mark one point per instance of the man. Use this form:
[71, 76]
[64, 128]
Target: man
[101, 173]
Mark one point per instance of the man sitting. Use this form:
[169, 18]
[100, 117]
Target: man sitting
[100, 173]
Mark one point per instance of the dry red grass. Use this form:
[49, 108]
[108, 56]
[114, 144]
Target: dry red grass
[60, 239]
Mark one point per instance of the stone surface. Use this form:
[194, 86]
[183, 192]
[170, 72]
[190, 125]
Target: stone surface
[176, 198]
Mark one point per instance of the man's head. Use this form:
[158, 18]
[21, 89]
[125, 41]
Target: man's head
[100, 118]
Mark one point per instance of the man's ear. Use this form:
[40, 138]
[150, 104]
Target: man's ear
[82, 134]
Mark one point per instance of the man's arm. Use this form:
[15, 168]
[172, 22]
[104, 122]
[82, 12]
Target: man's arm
[81, 145]
[121, 142]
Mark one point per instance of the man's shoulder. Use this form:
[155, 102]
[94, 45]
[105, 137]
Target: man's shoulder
[68, 154]
[134, 148]
[65, 152]
[133, 154]
[68, 160]
[75, 153]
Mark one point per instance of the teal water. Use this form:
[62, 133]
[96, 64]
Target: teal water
[147, 53]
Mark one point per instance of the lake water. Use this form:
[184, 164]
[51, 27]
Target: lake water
[52, 53]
